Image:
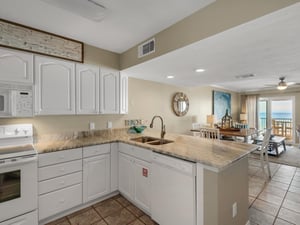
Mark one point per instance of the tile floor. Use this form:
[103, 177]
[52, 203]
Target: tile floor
[114, 211]
[276, 202]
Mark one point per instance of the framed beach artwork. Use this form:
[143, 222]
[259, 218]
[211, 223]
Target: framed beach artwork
[221, 103]
[20, 37]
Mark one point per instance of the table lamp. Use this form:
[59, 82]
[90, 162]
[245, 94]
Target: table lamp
[243, 118]
[211, 119]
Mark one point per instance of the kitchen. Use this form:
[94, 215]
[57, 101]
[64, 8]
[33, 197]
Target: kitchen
[139, 92]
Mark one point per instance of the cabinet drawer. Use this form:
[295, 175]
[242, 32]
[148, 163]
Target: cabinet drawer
[137, 152]
[59, 169]
[60, 182]
[46, 159]
[96, 150]
[59, 201]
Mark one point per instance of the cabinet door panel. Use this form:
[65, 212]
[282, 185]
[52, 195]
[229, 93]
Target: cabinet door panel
[55, 86]
[123, 94]
[96, 177]
[109, 91]
[142, 184]
[16, 66]
[87, 89]
[125, 175]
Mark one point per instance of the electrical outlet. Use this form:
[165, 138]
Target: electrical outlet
[234, 210]
[92, 125]
[109, 124]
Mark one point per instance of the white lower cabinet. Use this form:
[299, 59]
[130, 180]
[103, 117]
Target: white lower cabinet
[135, 175]
[125, 175]
[142, 184]
[60, 200]
[96, 172]
[60, 182]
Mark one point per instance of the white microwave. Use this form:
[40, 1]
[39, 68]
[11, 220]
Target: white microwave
[16, 101]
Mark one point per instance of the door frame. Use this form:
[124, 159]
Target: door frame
[269, 99]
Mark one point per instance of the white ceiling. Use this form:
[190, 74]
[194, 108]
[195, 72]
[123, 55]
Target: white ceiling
[127, 22]
[268, 47]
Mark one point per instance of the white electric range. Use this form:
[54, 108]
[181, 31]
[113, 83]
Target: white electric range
[18, 176]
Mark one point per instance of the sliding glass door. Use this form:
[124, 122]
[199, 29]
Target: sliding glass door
[277, 113]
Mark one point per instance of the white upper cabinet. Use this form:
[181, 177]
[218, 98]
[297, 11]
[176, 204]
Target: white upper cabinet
[109, 91]
[87, 89]
[55, 86]
[16, 66]
[123, 93]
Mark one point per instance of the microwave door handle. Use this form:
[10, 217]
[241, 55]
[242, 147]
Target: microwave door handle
[13, 103]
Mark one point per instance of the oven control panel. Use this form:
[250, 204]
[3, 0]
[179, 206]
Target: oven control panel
[16, 131]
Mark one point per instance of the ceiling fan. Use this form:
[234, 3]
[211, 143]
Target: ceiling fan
[282, 85]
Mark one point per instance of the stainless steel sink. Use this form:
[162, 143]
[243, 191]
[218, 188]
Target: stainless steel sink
[144, 139]
[151, 140]
[160, 142]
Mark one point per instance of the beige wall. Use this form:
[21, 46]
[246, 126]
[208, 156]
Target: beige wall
[215, 18]
[100, 57]
[221, 191]
[146, 99]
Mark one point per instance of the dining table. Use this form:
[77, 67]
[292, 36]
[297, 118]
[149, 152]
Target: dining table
[244, 133]
[235, 132]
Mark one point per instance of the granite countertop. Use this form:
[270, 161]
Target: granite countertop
[217, 154]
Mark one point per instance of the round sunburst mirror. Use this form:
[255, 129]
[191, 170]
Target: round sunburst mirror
[180, 104]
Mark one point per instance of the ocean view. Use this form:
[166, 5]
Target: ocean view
[277, 115]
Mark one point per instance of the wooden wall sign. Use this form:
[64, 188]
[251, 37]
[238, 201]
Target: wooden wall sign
[17, 36]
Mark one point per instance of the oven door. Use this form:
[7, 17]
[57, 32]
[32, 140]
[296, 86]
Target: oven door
[5, 103]
[18, 187]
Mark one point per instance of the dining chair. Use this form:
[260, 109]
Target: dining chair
[264, 158]
[210, 133]
[196, 126]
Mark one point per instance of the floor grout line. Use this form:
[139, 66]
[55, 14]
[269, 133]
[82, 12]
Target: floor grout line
[285, 192]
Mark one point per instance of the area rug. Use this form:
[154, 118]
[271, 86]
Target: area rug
[289, 157]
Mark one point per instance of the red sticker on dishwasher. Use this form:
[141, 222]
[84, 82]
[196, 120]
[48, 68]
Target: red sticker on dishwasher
[145, 172]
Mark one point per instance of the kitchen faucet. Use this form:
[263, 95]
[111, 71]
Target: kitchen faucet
[163, 127]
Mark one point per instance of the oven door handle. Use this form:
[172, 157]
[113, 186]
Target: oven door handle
[17, 161]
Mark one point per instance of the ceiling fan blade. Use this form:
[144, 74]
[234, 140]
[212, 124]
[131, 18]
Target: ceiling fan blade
[270, 85]
[290, 83]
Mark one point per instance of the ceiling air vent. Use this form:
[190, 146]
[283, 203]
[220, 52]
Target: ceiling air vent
[146, 48]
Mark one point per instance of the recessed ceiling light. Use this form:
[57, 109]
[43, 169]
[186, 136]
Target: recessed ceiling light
[199, 70]
[170, 77]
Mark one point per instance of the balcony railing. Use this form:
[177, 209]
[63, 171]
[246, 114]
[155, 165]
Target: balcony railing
[280, 126]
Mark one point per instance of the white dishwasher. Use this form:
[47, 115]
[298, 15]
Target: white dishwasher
[173, 191]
